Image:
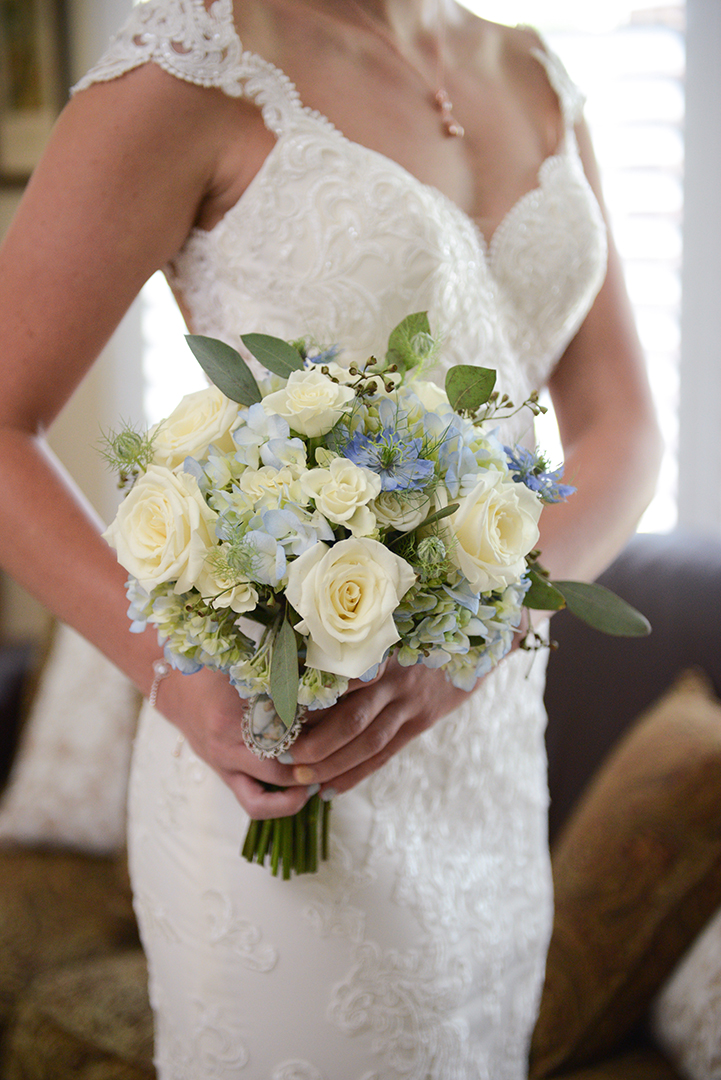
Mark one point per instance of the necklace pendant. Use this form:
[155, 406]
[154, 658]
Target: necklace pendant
[445, 105]
[452, 127]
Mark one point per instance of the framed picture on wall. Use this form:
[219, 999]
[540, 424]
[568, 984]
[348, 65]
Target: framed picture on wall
[33, 82]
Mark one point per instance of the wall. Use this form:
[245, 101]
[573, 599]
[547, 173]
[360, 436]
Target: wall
[700, 408]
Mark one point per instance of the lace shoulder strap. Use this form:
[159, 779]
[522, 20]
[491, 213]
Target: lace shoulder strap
[199, 45]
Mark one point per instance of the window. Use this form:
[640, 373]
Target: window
[628, 57]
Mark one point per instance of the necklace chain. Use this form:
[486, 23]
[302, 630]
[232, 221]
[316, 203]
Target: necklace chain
[439, 95]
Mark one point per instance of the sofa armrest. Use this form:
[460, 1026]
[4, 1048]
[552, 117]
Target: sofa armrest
[643, 1063]
[598, 685]
[637, 875]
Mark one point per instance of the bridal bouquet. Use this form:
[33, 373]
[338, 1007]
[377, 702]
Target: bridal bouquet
[294, 530]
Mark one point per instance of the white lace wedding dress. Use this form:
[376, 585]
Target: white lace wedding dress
[418, 950]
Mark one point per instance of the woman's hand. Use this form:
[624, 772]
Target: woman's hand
[372, 721]
[208, 712]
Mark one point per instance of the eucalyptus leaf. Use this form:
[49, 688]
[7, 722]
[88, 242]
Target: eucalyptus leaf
[542, 595]
[274, 354]
[602, 609]
[225, 368]
[284, 673]
[446, 511]
[400, 342]
[469, 387]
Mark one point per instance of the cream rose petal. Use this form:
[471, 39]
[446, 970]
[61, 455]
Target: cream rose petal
[362, 522]
[163, 530]
[403, 512]
[341, 490]
[346, 596]
[201, 419]
[310, 402]
[494, 528]
[431, 396]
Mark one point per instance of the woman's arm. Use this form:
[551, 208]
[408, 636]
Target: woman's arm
[131, 167]
[610, 436]
[99, 216]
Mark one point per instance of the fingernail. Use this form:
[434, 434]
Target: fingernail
[304, 775]
[313, 790]
[328, 794]
[286, 758]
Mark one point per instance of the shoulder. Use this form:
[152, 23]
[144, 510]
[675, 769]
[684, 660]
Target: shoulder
[167, 101]
[152, 127]
[170, 77]
[148, 104]
[505, 54]
[519, 58]
[491, 40]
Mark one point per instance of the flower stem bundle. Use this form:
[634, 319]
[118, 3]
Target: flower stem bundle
[293, 844]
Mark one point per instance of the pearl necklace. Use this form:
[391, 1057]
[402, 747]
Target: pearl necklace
[439, 95]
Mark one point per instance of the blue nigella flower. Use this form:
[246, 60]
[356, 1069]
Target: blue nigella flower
[530, 468]
[396, 460]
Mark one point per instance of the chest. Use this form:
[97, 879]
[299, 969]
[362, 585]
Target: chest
[337, 240]
[381, 100]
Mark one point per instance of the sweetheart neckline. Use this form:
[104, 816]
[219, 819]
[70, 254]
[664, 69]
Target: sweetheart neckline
[487, 246]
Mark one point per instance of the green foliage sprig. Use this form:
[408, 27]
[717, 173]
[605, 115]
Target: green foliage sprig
[128, 452]
[594, 604]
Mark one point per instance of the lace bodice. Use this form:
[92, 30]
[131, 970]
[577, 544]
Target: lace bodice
[334, 240]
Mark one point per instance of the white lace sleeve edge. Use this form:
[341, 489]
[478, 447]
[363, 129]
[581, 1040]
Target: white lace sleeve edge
[96, 76]
[107, 73]
[182, 38]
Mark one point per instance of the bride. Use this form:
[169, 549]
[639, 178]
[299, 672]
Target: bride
[350, 162]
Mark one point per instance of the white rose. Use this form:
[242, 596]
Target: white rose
[495, 527]
[163, 530]
[200, 419]
[269, 487]
[310, 402]
[346, 596]
[342, 493]
[402, 512]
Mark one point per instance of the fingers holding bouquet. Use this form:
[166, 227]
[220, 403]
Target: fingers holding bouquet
[209, 715]
[369, 724]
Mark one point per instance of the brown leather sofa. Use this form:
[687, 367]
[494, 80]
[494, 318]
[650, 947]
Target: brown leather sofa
[636, 836]
[634, 745]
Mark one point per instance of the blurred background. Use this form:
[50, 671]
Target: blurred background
[652, 80]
